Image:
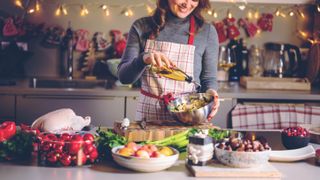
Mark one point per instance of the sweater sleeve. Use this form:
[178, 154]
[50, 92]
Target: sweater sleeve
[132, 65]
[208, 76]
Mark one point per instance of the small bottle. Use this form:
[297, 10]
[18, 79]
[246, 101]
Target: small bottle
[174, 74]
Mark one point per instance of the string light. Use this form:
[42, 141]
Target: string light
[242, 7]
[18, 3]
[61, 10]
[318, 7]
[301, 14]
[249, 14]
[37, 6]
[303, 34]
[127, 12]
[210, 12]
[105, 9]
[291, 13]
[84, 11]
[277, 13]
[149, 9]
[30, 11]
[215, 14]
[58, 11]
[229, 14]
[256, 14]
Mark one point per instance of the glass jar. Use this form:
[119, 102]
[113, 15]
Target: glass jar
[255, 62]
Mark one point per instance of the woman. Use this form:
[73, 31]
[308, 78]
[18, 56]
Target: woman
[176, 35]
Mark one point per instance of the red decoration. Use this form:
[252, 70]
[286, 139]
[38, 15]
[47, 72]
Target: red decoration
[119, 42]
[221, 31]
[9, 28]
[232, 30]
[82, 43]
[265, 22]
[250, 28]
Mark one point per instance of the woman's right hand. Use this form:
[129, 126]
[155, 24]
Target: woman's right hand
[158, 59]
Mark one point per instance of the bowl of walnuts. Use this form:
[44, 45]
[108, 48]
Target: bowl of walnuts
[242, 153]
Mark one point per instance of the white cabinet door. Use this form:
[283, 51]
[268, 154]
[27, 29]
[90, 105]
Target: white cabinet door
[222, 118]
[131, 107]
[104, 110]
[7, 108]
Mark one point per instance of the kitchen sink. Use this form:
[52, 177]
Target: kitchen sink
[66, 83]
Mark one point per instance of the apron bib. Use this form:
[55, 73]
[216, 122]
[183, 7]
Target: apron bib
[151, 107]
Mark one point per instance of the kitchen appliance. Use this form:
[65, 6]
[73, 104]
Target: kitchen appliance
[281, 60]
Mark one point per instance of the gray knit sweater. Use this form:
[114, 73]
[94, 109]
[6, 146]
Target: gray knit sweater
[176, 30]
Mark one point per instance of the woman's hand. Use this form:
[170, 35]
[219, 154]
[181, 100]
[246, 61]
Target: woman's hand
[157, 59]
[215, 105]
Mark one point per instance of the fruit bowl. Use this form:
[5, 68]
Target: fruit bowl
[295, 137]
[68, 148]
[239, 155]
[191, 108]
[144, 163]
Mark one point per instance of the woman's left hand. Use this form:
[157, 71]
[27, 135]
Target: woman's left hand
[215, 105]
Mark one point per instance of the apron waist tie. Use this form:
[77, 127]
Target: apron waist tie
[166, 98]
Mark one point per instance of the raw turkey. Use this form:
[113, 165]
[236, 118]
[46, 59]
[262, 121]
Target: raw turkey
[61, 120]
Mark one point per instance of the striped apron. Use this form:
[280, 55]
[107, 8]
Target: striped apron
[151, 107]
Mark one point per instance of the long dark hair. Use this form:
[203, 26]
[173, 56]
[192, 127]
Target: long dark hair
[160, 15]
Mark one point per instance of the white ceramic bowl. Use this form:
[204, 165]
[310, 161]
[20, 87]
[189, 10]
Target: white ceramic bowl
[142, 164]
[242, 159]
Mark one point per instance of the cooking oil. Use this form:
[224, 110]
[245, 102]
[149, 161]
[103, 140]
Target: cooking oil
[173, 73]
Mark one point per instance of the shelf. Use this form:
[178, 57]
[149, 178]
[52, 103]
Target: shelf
[269, 1]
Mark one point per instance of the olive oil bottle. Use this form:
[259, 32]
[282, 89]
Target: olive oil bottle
[173, 73]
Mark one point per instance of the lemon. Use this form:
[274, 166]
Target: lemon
[166, 151]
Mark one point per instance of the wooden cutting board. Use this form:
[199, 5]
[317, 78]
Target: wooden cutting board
[218, 170]
[153, 132]
[275, 83]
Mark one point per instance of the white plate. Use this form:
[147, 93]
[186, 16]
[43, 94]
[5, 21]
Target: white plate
[292, 155]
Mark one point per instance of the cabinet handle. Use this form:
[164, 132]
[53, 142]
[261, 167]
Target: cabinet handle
[70, 97]
[224, 99]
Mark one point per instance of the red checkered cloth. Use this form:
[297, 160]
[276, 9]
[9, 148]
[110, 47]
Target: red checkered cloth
[275, 116]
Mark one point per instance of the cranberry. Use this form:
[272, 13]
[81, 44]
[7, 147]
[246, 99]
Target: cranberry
[65, 137]
[65, 159]
[74, 147]
[88, 148]
[93, 155]
[53, 157]
[88, 138]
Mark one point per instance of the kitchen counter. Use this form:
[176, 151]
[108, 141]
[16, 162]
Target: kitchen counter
[226, 90]
[305, 169]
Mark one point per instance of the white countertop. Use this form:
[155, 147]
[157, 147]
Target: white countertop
[301, 170]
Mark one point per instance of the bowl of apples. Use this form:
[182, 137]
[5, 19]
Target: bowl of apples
[145, 158]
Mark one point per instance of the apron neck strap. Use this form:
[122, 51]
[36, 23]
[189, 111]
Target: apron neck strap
[191, 30]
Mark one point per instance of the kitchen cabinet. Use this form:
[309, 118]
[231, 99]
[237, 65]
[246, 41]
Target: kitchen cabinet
[7, 107]
[131, 107]
[268, 1]
[223, 117]
[103, 110]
